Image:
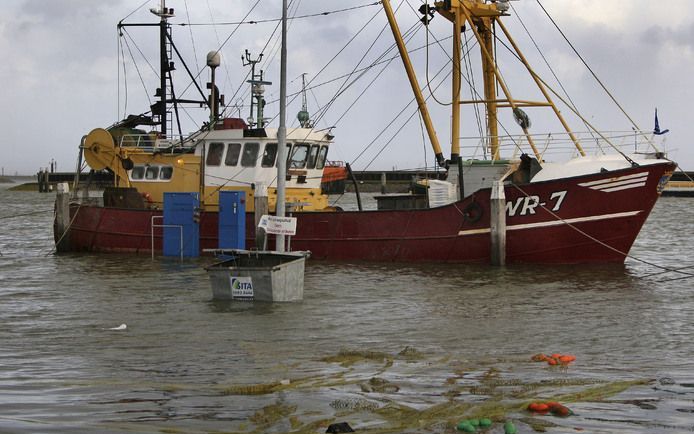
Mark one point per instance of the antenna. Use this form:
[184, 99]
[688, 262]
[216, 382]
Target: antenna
[303, 116]
[257, 89]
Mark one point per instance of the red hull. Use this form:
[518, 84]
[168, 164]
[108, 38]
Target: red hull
[592, 218]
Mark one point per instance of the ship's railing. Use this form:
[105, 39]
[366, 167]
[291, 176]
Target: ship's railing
[560, 145]
[162, 226]
[146, 142]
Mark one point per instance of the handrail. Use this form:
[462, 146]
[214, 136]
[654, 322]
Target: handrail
[152, 226]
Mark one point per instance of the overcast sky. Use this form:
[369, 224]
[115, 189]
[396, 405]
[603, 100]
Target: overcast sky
[64, 71]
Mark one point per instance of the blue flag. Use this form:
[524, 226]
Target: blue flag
[656, 130]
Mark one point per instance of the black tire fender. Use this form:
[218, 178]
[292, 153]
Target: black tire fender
[472, 212]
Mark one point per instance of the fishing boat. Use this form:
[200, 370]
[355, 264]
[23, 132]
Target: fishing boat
[585, 210]
[334, 177]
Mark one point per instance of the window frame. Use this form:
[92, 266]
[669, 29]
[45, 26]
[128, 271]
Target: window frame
[233, 149]
[218, 148]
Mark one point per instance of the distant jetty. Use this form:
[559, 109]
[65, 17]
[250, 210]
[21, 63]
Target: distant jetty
[369, 181]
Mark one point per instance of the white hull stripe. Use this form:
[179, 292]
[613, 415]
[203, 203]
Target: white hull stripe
[625, 187]
[615, 184]
[554, 223]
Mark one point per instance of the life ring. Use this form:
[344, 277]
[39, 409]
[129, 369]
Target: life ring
[472, 213]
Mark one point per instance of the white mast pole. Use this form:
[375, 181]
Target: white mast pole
[282, 131]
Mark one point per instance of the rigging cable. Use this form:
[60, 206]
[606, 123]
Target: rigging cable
[590, 237]
[469, 71]
[549, 66]
[393, 121]
[595, 75]
[573, 110]
[321, 112]
[273, 20]
[125, 79]
[137, 68]
[379, 58]
[192, 39]
[136, 9]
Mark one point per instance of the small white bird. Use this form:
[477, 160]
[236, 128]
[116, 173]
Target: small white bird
[120, 327]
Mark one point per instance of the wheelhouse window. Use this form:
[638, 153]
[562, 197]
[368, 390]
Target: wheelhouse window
[322, 156]
[312, 156]
[289, 154]
[232, 158]
[250, 154]
[298, 156]
[152, 172]
[138, 172]
[269, 155]
[165, 173]
[214, 154]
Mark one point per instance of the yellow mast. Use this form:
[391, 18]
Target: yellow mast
[490, 90]
[543, 90]
[455, 89]
[421, 103]
[481, 17]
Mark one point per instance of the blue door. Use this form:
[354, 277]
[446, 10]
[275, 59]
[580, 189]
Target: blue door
[181, 210]
[232, 220]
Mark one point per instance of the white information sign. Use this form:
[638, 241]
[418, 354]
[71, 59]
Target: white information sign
[241, 287]
[278, 225]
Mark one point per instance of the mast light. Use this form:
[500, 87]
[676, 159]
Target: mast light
[502, 6]
[164, 13]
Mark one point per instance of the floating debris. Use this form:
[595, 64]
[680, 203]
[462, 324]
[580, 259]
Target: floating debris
[354, 404]
[120, 327]
[271, 414]
[411, 353]
[350, 357]
[379, 385]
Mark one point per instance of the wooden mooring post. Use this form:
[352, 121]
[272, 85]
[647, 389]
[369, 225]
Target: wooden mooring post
[497, 223]
[261, 208]
[62, 217]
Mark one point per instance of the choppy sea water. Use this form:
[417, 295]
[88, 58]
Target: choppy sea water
[385, 348]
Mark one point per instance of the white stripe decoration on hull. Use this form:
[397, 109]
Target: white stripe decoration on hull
[619, 183]
[554, 222]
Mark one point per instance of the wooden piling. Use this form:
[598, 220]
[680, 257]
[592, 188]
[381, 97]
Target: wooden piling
[497, 223]
[261, 208]
[62, 218]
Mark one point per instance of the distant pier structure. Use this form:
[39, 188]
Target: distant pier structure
[394, 181]
[47, 180]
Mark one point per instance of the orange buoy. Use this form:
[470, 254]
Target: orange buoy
[538, 407]
[538, 358]
[561, 411]
[552, 405]
[567, 359]
[552, 361]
